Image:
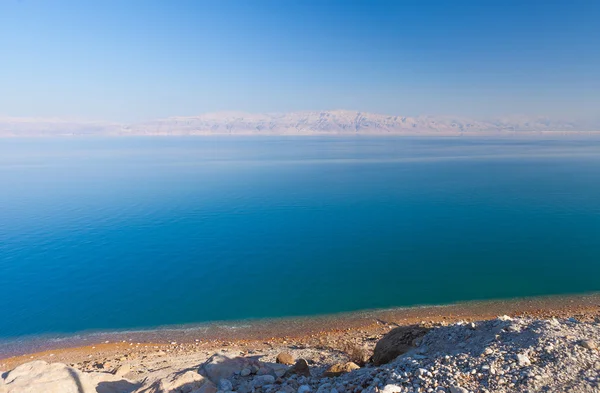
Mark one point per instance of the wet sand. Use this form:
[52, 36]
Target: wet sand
[257, 334]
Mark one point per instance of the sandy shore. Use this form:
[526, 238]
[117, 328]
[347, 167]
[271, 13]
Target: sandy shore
[330, 331]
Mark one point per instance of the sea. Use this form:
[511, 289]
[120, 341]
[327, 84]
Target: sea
[110, 234]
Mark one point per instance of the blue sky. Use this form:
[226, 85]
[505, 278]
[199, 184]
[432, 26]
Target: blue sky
[134, 60]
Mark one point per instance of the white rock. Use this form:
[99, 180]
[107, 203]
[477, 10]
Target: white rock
[219, 367]
[176, 381]
[391, 389]
[458, 389]
[523, 360]
[39, 376]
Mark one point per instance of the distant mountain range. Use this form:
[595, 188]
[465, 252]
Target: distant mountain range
[339, 122]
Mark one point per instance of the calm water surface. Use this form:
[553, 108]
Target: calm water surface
[140, 232]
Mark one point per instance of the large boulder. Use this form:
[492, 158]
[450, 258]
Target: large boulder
[398, 341]
[177, 382]
[219, 367]
[39, 376]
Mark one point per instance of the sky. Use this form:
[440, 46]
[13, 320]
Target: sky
[137, 60]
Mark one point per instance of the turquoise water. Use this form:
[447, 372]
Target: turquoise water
[124, 233]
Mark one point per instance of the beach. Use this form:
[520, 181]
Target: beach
[87, 352]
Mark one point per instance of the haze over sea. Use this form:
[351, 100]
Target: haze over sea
[121, 233]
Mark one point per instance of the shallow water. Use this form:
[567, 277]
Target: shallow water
[123, 233]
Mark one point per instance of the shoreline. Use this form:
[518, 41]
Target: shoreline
[306, 330]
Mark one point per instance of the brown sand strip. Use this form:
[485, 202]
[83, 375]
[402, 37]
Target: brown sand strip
[303, 330]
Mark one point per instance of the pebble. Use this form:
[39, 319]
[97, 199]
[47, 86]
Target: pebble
[304, 389]
[391, 389]
[225, 385]
[523, 360]
[588, 344]
[262, 380]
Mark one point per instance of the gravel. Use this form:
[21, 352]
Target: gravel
[501, 355]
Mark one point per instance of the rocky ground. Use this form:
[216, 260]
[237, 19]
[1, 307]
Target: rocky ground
[499, 355]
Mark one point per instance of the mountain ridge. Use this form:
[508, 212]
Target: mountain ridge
[334, 122]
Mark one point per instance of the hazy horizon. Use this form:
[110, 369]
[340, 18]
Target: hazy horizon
[139, 61]
[341, 122]
[242, 113]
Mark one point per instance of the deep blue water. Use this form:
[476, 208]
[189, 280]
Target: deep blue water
[140, 232]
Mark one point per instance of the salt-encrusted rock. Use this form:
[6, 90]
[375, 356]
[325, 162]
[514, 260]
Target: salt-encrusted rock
[176, 382]
[398, 341]
[340, 368]
[285, 358]
[39, 376]
[300, 368]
